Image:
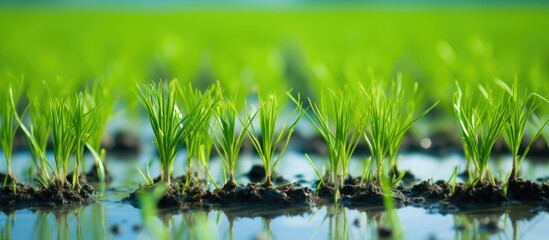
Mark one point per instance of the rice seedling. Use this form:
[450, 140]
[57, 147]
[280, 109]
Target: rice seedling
[270, 107]
[86, 122]
[336, 121]
[8, 127]
[481, 122]
[102, 99]
[63, 138]
[198, 141]
[226, 137]
[452, 181]
[391, 111]
[37, 136]
[521, 105]
[171, 128]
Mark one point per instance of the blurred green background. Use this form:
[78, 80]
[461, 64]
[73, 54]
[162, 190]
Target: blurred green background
[275, 45]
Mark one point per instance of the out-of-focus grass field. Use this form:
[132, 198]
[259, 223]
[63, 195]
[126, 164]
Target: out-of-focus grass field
[299, 49]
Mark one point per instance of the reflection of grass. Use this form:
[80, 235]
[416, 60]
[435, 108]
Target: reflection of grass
[194, 225]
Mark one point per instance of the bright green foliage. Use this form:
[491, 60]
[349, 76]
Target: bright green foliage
[9, 93]
[334, 119]
[86, 122]
[169, 125]
[390, 112]
[270, 107]
[63, 137]
[37, 137]
[226, 135]
[481, 121]
[521, 105]
[72, 124]
[198, 137]
[103, 100]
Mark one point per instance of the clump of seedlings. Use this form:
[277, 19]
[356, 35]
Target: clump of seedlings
[520, 106]
[390, 112]
[72, 123]
[228, 141]
[198, 142]
[228, 138]
[270, 108]
[481, 121]
[171, 128]
[336, 120]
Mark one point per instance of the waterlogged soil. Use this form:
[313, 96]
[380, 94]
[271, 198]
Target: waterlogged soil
[428, 194]
[231, 194]
[53, 195]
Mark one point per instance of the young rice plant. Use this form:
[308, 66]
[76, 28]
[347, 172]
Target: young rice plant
[390, 112]
[481, 122]
[270, 107]
[521, 105]
[226, 135]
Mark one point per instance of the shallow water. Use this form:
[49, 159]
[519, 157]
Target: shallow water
[109, 217]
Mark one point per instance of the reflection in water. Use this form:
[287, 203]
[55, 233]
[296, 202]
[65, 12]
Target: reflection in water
[337, 221]
[8, 224]
[492, 223]
[57, 223]
[326, 222]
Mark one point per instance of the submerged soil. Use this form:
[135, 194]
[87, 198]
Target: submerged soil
[353, 192]
[427, 193]
[231, 194]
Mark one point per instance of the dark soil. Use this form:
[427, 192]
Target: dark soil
[527, 191]
[92, 176]
[124, 144]
[62, 195]
[481, 194]
[369, 194]
[230, 195]
[257, 174]
[427, 193]
[23, 194]
[181, 180]
[54, 195]
[253, 194]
